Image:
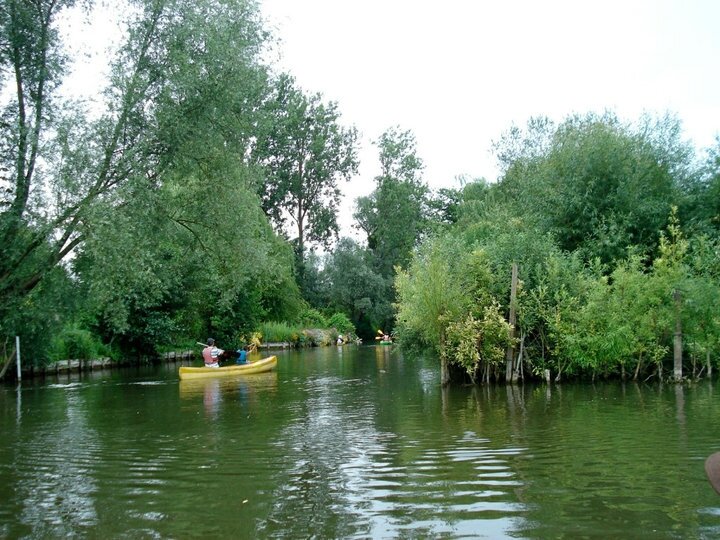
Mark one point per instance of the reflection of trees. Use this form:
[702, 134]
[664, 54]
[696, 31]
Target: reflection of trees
[318, 494]
[56, 485]
[595, 457]
[366, 458]
[332, 449]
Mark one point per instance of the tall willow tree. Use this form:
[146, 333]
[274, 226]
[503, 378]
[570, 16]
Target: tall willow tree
[157, 179]
[34, 237]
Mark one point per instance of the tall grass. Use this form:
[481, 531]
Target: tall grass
[279, 332]
[76, 343]
[311, 329]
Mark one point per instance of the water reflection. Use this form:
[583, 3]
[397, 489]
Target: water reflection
[56, 486]
[363, 445]
[215, 390]
[362, 463]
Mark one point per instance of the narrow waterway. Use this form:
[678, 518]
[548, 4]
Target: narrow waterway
[353, 442]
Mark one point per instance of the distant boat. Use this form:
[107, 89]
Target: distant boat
[383, 342]
[259, 366]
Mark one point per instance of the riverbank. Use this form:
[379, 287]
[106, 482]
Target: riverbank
[79, 365]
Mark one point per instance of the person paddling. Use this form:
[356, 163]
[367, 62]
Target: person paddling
[241, 356]
[211, 353]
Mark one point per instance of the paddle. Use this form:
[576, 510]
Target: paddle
[712, 469]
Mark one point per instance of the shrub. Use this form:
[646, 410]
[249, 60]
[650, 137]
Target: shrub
[278, 332]
[341, 323]
[312, 318]
[76, 343]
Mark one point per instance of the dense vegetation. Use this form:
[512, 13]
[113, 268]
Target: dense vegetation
[613, 229]
[150, 222]
[200, 198]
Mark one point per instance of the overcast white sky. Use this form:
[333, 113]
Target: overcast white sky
[460, 72]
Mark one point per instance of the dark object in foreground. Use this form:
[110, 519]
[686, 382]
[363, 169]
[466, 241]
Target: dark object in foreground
[228, 357]
[712, 469]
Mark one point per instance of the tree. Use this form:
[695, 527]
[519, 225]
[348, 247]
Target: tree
[305, 152]
[700, 205]
[430, 296]
[193, 252]
[394, 216]
[30, 52]
[601, 186]
[355, 288]
[154, 196]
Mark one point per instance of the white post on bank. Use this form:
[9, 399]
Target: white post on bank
[17, 348]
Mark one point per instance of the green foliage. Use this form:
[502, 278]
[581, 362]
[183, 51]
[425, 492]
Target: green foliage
[429, 295]
[312, 318]
[699, 208]
[279, 332]
[472, 342]
[354, 287]
[394, 215]
[590, 301]
[298, 336]
[154, 196]
[304, 152]
[76, 343]
[600, 186]
[314, 286]
[341, 323]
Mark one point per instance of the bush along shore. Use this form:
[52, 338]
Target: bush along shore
[77, 365]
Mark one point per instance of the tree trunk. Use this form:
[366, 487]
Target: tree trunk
[677, 342]
[709, 365]
[8, 361]
[444, 371]
[510, 372]
[637, 368]
[517, 372]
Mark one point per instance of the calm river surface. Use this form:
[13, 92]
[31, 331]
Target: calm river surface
[356, 442]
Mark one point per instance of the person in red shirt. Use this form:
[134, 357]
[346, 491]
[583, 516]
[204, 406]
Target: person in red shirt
[210, 354]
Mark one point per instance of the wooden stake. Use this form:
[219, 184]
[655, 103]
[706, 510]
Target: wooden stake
[17, 352]
[510, 372]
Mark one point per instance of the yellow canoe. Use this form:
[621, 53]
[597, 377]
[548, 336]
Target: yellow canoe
[259, 366]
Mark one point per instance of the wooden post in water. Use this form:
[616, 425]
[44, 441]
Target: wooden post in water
[17, 353]
[677, 342]
[708, 363]
[510, 371]
[444, 368]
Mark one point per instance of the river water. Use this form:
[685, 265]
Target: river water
[353, 442]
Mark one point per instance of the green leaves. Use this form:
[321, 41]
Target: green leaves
[600, 186]
[156, 197]
[304, 153]
[606, 279]
[395, 215]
